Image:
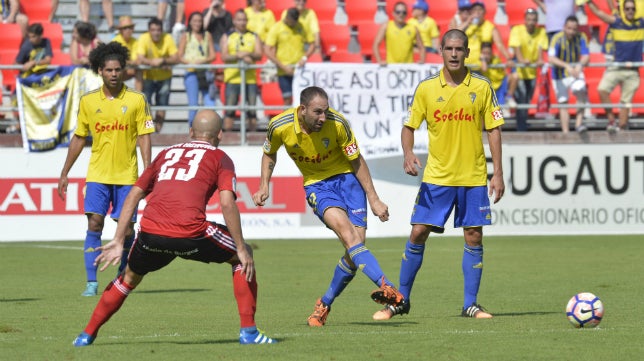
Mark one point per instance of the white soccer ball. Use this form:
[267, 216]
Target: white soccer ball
[585, 310]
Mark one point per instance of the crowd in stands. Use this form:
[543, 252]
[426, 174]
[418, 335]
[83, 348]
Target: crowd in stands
[293, 32]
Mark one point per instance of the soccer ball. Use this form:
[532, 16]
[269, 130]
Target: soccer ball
[585, 310]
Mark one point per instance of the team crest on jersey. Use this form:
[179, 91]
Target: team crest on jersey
[123, 109]
[326, 142]
[267, 145]
[472, 97]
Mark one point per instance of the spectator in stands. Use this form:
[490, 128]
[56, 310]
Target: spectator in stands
[158, 50]
[34, 56]
[84, 40]
[240, 45]
[285, 47]
[179, 8]
[496, 75]
[528, 43]
[217, 21]
[108, 12]
[568, 54]
[36, 53]
[557, 11]
[400, 39]
[126, 38]
[196, 47]
[260, 19]
[309, 20]
[479, 30]
[628, 36]
[10, 14]
[426, 26]
[461, 19]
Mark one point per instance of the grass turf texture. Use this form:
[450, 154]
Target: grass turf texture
[187, 310]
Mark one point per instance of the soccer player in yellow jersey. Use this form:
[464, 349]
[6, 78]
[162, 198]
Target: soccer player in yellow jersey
[338, 184]
[288, 45]
[426, 26]
[456, 105]
[116, 118]
[400, 39]
[260, 19]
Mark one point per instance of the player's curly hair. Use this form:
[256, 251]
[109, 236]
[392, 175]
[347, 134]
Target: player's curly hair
[105, 52]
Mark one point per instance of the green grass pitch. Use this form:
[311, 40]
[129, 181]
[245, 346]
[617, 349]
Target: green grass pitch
[187, 311]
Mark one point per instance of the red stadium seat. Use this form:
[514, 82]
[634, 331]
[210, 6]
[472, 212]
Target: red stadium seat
[504, 31]
[61, 58]
[278, 6]
[325, 10]
[36, 10]
[54, 32]
[389, 6]
[490, 9]
[366, 34]
[515, 9]
[442, 11]
[271, 96]
[11, 37]
[234, 5]
[346, 57]
[195, 5]
[8, 57]
[334, 37]
[315, 58]
[361, 11]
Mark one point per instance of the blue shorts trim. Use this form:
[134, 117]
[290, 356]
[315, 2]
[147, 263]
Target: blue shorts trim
[99, 197]
[340, 191]
[435, 203]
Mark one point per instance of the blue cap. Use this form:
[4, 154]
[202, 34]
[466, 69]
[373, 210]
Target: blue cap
[464, 4]
[422, 5]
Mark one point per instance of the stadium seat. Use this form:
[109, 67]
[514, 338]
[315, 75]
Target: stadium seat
[8, 57]
[61, 58]
[504, 31]
[315, 58]
[271, 96]
[361, 11]
[278, 6]
[366, 34]
[389, 6]
[491, 8]
[11, 36]
[36, 10]
[195, 5]
[442, 11]
[54, 32]
[515, 9]
[431, 58]
[346, 57]
[325, 10]
[233, 5]
[334, 37]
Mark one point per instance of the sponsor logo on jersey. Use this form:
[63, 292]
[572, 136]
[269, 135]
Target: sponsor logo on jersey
[459, 115]
[497, 114]
[351, 149]
[116, 126]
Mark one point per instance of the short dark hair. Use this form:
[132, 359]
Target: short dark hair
[311, 92]
[85, 30]
[155, 21]
[455, 33]
[572, 18]
[110, 51]
[35, 28]
[293, 14]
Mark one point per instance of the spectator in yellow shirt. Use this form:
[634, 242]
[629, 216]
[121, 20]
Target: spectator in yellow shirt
[400, 39]
[309, 20]
[497, 76]
[126, 38]
[426, 26]
[260, 19]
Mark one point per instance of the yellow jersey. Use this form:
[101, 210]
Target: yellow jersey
[400, 42]
[151, 50]
[114, 125]
[308, 19]
[130, 45]
[476, 35]
[318, 155]
[289, 42]
[427, 28]
[495, 75]
[455, 117]
[259, 22]
[240, 42]
[530, 46]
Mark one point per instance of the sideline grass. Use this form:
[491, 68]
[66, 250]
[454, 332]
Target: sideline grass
[187, 310]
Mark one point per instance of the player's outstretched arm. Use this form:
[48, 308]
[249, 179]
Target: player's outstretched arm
[411, 164]
[233, 222]
[497, 185]
[73, 151]
[112, 252]
[378, 207]
[268, 164]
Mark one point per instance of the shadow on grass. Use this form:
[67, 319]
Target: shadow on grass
[176, 290]
[384, 323]
[187, 343]
[18, 299]
[527, 313]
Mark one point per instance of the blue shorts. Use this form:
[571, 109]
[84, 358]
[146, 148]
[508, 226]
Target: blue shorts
[340, 191]
[285, 83]
[434, 204]
[160, 89]
[99, 196]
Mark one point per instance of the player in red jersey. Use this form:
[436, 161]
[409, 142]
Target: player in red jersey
[180, 181]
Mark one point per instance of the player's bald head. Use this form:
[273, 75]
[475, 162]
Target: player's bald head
[206, 125]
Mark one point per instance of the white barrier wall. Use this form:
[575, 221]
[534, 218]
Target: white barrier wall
[551, 189]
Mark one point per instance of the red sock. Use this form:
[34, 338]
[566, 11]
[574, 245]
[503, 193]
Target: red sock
[246, 295]
[113, 297]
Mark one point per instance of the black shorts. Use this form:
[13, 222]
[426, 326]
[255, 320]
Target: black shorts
[151, 252]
